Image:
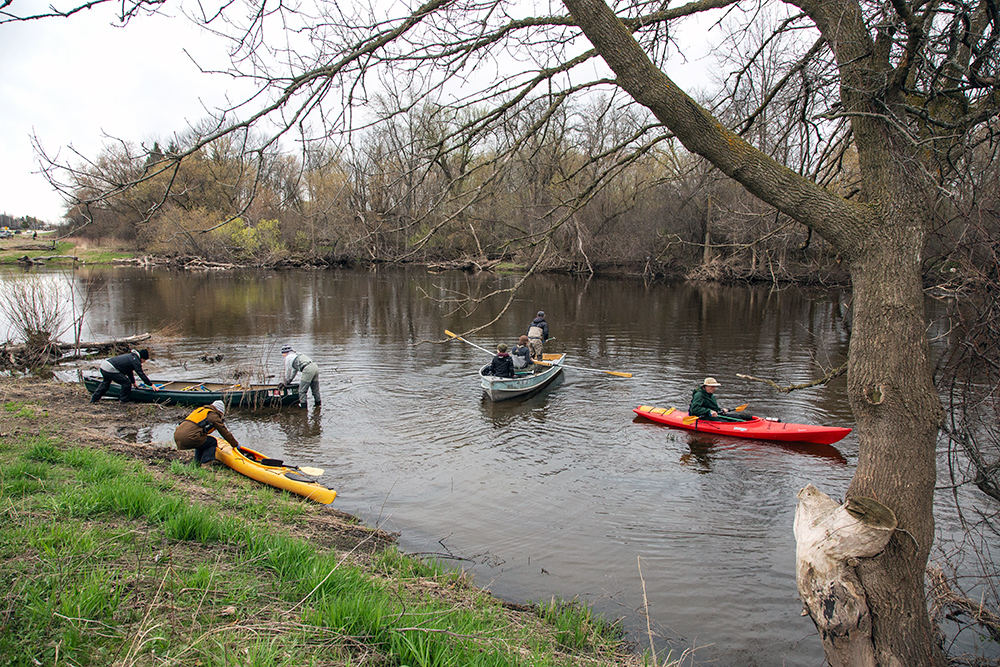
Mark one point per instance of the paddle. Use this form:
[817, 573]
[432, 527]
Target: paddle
[453, 335]
[312, 472]
[543, 363]
[690, 419]
[580, 368]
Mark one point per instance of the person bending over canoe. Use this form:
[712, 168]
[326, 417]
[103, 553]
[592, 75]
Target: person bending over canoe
[120, 370]
[194, 432]
[300, 363]
[704, 406]
[502, 365]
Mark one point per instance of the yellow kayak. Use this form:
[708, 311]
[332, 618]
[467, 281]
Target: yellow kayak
[275, 473]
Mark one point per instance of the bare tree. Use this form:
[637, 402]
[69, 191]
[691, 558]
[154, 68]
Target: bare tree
[906, 87]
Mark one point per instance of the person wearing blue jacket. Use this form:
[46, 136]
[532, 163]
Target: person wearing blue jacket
[538, 333]
[121, 370]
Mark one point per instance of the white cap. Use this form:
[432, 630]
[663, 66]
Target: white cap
[220, 406]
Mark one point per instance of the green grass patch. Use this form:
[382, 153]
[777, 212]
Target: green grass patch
[109, 564]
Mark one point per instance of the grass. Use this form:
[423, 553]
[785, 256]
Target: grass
[10, 250]
[109, 563]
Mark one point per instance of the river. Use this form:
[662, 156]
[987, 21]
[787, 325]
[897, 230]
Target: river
[564, 494]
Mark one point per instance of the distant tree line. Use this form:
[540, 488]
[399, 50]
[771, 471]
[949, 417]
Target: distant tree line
[23, 222]
[406, 192]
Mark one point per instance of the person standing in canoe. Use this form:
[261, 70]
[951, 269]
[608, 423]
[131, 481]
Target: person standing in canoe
[309, 380]
[538, 333]
[194, 432]
[120, 370]
[704, 406]
[502, 365]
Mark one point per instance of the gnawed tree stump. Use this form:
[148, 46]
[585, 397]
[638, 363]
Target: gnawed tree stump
[829, 538]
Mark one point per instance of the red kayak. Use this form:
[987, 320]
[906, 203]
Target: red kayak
[757, 428]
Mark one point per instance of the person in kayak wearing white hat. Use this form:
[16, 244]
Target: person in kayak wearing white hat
[705, 406]
[194, 432]
[309, 378]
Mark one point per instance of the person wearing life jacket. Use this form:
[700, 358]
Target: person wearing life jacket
[538, 333]
[309, 378]
[120, 370]
[705, 406]
[195, 432]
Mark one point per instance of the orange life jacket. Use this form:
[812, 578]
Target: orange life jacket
[200, 417]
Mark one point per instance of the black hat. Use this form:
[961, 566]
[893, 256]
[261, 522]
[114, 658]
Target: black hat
[541, 313]
[144, 354]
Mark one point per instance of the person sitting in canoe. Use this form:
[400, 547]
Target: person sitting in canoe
[521, 354]
[704, 406]
[193, 432]
[502, 365]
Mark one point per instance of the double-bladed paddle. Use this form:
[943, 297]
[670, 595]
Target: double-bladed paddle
[690, 419]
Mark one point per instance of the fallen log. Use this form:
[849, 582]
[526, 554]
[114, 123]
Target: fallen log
[54, 352]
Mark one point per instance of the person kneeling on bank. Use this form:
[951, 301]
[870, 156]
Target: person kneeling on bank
[194, 433]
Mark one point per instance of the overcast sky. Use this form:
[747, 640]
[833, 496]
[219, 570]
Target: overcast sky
[70, 81]
[73, 81]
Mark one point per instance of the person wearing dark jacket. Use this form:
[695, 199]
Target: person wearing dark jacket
[120, 370]
[521, 354]
[538, 333]
[502, 365]
[705, 406]
[194, 432]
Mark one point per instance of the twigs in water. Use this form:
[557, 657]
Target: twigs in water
[832, 375]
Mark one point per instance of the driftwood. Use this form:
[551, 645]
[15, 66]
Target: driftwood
[826, 379]
[469, 265]
[829, 538]
[21, 355]
[41, 260]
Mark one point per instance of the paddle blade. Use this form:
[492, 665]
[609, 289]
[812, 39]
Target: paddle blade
[740, 408]
[690, 419]
[314, 472]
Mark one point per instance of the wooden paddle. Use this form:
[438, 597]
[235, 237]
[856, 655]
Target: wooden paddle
[542, 363]
[690, 419]
[454, 335]
[579, 368]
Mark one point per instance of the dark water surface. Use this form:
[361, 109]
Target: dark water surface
[563, 494]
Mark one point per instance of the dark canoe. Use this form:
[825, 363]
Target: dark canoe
[522, 384]
[757, 428]
[193, 392]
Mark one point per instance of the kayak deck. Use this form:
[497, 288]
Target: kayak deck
[757, 428]
[275, 473]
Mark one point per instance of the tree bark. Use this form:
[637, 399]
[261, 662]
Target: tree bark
[889, 376]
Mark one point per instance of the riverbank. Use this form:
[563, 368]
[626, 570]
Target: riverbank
[123, 553]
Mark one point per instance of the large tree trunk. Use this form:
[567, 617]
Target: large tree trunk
[889, 380]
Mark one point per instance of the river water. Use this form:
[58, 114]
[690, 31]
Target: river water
[564, 494]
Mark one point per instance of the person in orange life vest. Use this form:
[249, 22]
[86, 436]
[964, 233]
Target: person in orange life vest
[194, 432]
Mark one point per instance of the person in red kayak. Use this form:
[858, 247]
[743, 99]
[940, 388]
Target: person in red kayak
[704, 406]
